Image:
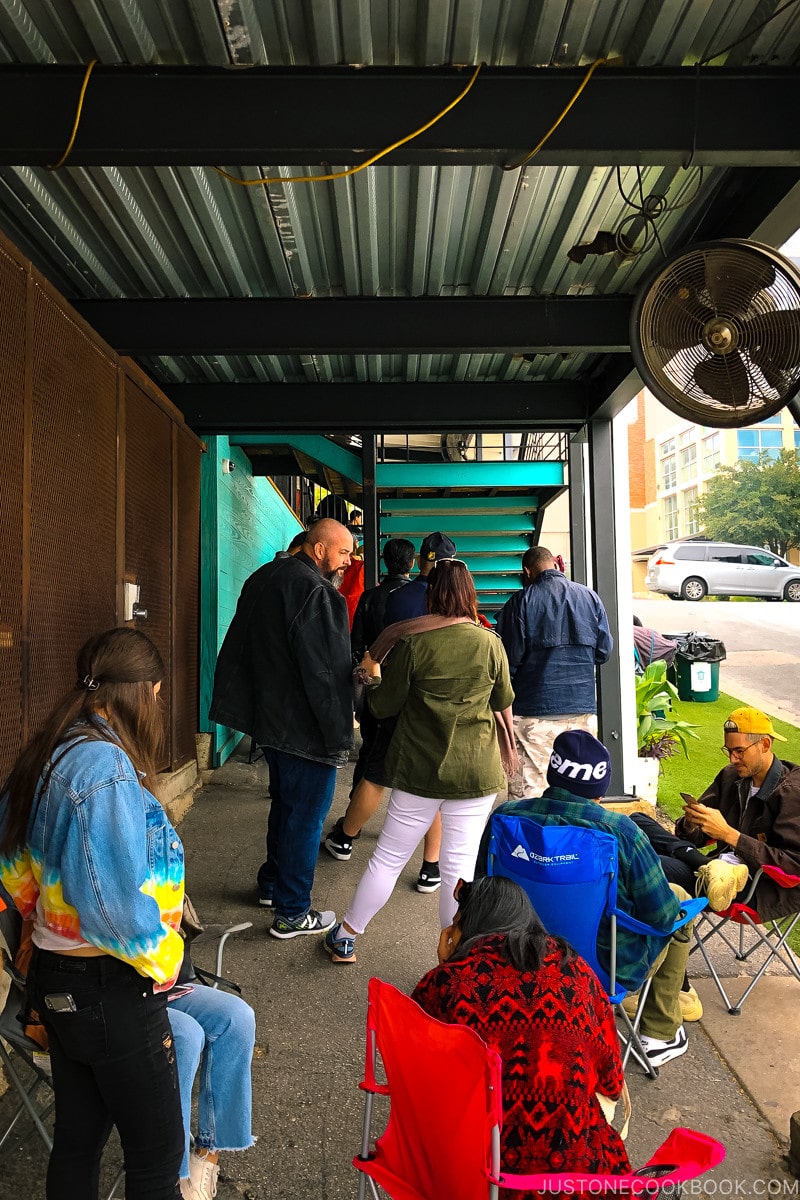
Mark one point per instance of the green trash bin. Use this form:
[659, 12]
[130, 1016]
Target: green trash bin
[697, 660]
[698, 681]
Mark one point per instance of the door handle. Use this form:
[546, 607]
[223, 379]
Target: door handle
[139, 613]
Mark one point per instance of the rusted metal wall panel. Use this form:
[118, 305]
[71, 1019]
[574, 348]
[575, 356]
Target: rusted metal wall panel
[100, 481]
[186, 575]
[148, 527]
[12, 507]
[73, 498]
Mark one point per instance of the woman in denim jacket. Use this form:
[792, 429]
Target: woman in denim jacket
[87, 852]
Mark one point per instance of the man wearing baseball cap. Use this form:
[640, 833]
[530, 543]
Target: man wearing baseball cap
[578, 776]
[751, 811]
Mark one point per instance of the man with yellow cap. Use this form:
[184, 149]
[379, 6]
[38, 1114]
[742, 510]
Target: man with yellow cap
[751, 811]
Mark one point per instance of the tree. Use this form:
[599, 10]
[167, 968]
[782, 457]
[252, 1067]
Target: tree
[757, 503]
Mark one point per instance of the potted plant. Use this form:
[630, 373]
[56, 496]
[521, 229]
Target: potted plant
[659, 732]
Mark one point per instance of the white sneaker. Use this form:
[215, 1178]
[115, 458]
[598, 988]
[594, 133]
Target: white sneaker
[659, 1052]
[202, 1181]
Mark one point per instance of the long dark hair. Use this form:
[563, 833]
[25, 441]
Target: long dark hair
[451, 592]
[116, 673]
[495, 904]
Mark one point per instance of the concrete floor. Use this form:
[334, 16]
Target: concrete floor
[739, 1080]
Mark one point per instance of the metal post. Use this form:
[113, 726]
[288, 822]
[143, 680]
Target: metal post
[369, 505]
[577, 509]
[604, 562]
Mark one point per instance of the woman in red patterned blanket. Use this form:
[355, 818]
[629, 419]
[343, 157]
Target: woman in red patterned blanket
[541, 1007]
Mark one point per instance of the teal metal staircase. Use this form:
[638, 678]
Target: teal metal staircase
[492, 511]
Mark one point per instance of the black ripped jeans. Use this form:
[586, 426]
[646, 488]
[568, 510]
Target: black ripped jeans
[113, 1063]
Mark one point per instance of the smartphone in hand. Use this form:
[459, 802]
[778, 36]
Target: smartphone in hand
[688, 798]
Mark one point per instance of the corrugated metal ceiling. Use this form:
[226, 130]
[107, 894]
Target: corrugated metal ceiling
[395, 231]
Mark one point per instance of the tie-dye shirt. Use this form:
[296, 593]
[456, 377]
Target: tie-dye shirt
[102, 865]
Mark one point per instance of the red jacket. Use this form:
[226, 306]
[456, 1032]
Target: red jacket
[353, 586]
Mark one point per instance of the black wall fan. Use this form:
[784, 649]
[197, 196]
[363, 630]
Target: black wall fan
[715, 333]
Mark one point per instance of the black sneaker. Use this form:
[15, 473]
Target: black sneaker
[310, 922]
[338, 844]
[429, 878]
[265, 901]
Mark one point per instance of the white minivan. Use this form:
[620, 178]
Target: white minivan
[692, 570]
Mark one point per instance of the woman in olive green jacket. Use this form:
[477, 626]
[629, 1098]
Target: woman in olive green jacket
[444, 685]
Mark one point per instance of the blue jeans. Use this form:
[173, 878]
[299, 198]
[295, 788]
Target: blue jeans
[302, 794]
[214, 1031]
[113, 1060]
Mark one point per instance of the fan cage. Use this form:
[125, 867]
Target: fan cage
[746, 296]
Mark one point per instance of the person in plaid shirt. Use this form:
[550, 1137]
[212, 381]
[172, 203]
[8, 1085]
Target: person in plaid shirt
[578, 776]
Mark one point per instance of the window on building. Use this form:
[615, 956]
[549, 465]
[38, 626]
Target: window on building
[691, 524]
[669, 475]
[758, 440]
[688, 457]
[686, 437]
[670, 517]
[711, 453]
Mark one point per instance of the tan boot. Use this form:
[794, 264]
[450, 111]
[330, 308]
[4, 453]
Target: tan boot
[630, 1004]
[721, 882]
[691, 1006]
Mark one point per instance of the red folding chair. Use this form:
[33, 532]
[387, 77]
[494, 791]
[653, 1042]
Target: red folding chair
[447, 1143]
[768, 934]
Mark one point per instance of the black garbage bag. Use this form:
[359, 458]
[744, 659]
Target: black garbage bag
[700, 647]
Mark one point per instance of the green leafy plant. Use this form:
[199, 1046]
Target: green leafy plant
[659, 733]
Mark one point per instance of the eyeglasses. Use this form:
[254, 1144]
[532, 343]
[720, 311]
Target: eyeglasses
[737, 751]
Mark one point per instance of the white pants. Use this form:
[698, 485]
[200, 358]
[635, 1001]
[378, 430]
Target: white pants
[408, 819]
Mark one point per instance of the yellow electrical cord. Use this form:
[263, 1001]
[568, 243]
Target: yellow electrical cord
[598, 62]
[71, 142]
[362, 166]
[263, 182]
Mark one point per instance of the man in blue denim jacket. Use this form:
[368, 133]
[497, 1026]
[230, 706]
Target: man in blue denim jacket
[555, 633]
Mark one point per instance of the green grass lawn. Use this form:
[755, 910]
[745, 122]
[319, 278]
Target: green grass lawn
[695, 773]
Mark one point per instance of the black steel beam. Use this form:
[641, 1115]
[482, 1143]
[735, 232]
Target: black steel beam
[262, 116]
[380, 407]
[455, 325]
[751, 204]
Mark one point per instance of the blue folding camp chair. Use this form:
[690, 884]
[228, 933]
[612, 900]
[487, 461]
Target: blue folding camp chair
[570, 874]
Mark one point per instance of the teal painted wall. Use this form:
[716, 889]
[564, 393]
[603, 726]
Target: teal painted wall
[244, 521]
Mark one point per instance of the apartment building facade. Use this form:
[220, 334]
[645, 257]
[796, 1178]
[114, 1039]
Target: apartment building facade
[671, 463]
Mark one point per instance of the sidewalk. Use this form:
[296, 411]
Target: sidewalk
[737, 1083]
